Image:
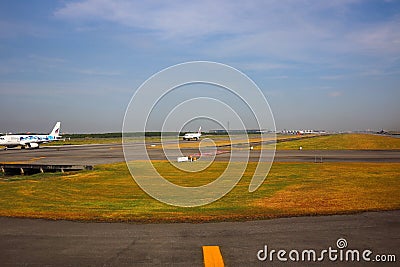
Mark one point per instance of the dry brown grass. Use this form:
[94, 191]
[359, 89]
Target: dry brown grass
[340, 188]
[292, 189]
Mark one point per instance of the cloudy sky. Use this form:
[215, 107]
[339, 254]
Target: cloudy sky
[331, 65]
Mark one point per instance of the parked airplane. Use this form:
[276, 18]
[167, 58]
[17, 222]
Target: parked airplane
[195, 136]
[30, 141]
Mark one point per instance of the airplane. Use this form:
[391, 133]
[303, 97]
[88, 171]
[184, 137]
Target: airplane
[195, 136]
[30, 141]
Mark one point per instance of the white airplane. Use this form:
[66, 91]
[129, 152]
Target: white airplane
[195, 136]
[30, 141]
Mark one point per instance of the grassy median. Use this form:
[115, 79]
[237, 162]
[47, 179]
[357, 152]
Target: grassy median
[332, 142]
[292, 189]
[344, 141]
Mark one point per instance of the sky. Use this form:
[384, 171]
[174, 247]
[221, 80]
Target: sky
[332, 65]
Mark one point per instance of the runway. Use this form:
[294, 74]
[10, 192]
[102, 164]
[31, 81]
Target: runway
[27, 242]
[111, 153]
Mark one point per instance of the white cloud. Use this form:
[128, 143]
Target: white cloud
[199, 18]
[46, 59]
[382, 38]
[263, 66]
[334, 77]
[314, 32]
[281, 77]
[335, 94]
[175, 19]
[98, 72]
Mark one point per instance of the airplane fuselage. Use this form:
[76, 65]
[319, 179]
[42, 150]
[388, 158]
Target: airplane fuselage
[192, 136]
[26, 141]
[30, 141]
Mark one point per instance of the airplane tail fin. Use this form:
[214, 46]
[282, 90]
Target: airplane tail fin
[56, 129]
[199, 131]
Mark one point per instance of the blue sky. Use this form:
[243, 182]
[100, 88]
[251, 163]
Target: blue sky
[331, 65]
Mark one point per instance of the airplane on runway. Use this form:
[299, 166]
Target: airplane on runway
[195, 136]
[30, 141]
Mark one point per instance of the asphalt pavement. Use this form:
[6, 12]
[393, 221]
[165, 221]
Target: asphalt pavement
[111, 153]
[28, 242]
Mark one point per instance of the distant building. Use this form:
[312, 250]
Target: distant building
[300, 132]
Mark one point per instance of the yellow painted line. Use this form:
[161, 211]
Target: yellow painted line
[212, 256]
[35, 159]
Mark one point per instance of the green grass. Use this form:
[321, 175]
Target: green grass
[333, 142]
[86, 141]
[292, 189]
[344, 141]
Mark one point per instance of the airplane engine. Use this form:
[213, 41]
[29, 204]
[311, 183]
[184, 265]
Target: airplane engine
[33, 145]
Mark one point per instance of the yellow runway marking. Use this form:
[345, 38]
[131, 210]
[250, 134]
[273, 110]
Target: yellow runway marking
[35, 159]
[212, 256]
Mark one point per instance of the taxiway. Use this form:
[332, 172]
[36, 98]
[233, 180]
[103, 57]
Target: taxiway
[112, 153]
[27, 242]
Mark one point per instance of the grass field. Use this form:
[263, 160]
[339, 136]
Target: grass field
[333, 142]
[292, 189]
[86, 141]
[344, 141]
[218, 139]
